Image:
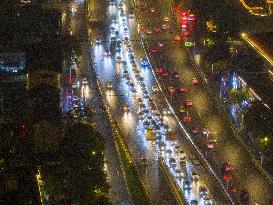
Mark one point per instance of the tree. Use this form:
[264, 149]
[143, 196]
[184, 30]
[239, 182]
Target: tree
[82, 177]
[216, 51]
[259, 119]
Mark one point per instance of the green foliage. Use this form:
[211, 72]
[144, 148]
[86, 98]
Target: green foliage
[70, 44]
[216, 49]
[135, 186]
[218, 67]
[80, 173]
[239, 95]
[259, 119]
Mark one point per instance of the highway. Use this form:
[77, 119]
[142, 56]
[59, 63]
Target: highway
[119, 93]
[203, 113]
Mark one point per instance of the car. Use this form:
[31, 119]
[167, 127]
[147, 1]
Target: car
[159, 44]
[113, 30]
[152, 9]
[84, 81]
[126, 40]
[191, 17]
[141, 79]
[189, 102]
[118, 59]
[153, 107]
[109, 85]
[177, 38]
[126, 108]
[194, 81]
[145, 94]
[131, 14]
[125, 71]
[146, 124]
[155, 88]
[114, 20]
[171, 31]
[128, 79]
[120, 6]
[124, 20]
[149, 31]
[166, 19]
[203, 191]
[182, 109]
[98, 40]
[153, 50]
[194, 176]
[140, 115]
[194, 202]
[166, 111]
[143, 6]
[125, 30]
[164, 74]
[183, 161]
[140, 101]
[186, 119]
[134, 92]
[182, 89]
[144, 63]
[175, 75]
[158, 70]
[106, 53]
[164, 26]
[186, 185]
[122, 14]
[207, 200]
[156, 30]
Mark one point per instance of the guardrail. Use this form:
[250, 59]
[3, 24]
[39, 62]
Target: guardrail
[175, 187]
[224, 115]
[198, 151]
[137, 188]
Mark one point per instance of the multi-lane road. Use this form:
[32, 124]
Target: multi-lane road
[109, 71]
[203, 112]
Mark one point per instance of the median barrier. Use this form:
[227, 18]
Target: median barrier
[137, 189]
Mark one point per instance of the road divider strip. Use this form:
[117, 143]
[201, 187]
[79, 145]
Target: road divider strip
[174, 186]
[137, 189]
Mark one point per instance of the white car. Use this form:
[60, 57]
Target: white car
[149, 31]
[166, 18]
[164, 26]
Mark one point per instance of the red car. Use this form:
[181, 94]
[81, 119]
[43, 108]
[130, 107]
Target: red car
[182, 89]
[156, 30]
[175, 75]
[164, 74]
[144, 30]
[158, 70]
[143, 6]
[186, 119]
[153, 50]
